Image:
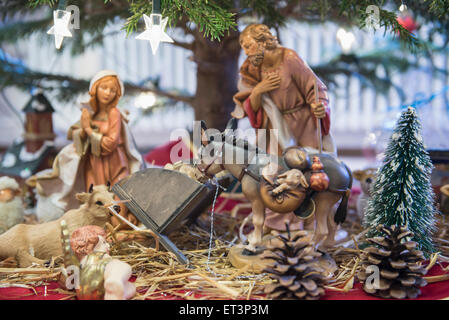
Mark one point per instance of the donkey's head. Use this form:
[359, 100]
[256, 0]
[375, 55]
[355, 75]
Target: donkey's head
[210, 153]
[209, 160]
[211, 135]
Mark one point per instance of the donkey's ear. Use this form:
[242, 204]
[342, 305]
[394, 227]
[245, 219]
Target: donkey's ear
[83, 197]
[228, 133]
[204, 136]
[232, 124]
[358, 174]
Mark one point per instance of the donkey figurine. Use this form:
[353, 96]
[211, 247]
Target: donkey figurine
[218, 152]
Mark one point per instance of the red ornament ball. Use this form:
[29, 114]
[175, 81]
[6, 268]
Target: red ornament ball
[408, 23]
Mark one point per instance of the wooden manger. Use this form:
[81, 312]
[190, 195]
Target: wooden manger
[164, 200]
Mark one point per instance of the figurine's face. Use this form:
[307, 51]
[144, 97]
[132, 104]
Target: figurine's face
[253, 49]
[98, 201]
[90, 246]
[7, 195]
[106, 91]
[366, 178]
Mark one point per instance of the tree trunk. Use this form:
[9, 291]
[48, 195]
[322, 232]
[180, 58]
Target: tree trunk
[217, 74]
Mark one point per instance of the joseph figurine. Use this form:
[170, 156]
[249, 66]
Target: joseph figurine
[279, 92]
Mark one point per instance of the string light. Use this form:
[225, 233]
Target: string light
[146, 100]
[61, 20]
[155, 28]
[346, 40]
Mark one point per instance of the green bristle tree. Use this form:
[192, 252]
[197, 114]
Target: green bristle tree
[402, 194]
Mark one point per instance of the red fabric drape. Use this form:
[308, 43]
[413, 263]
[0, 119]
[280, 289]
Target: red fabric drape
[161, 155]
[255, 118]
[433, 291]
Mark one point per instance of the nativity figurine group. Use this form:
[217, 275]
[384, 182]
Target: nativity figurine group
[290, 181]
[102, 153]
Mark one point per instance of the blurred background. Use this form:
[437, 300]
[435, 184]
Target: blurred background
[371, 76]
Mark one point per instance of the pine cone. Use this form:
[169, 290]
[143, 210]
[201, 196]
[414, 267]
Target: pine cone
[295, 268]
[398, 262]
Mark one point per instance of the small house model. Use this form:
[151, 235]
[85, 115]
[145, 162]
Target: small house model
[34, 151]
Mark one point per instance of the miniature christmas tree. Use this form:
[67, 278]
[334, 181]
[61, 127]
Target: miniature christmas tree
[402, 194]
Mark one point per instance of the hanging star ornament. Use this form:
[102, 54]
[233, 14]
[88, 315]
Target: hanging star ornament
[155, 31]
[61, 27]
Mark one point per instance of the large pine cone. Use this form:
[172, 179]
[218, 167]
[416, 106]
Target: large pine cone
[296, 269]
[398, 262]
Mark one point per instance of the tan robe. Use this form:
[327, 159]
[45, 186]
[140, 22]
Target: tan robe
[288, 110]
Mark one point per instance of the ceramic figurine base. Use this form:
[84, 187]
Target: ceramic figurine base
[240, 260]
[256, 264]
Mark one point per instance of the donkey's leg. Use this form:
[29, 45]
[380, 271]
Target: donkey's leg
[250, 189]
[255, 238]
[324, 202]
[332, 227]
[309, 224]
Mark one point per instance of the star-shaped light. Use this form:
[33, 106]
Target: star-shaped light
[346, 40]
[155, 31]
[61, 27]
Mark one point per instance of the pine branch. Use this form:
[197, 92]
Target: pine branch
[184, 45]
[439, 7]
[364, 67]
[11, 8]
[67, 87]
[13, 32]
[214, 18]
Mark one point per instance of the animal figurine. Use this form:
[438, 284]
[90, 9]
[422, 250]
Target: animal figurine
[39, 243]
[212, 160]
[366, 178]
[11, 206]
[290, 180]
[186, 169]
[101, 276]
[444, 202]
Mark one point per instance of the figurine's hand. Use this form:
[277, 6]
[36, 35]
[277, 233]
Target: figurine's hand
[88, 131]
[85, 119]
[318, 110]
[270, 83]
